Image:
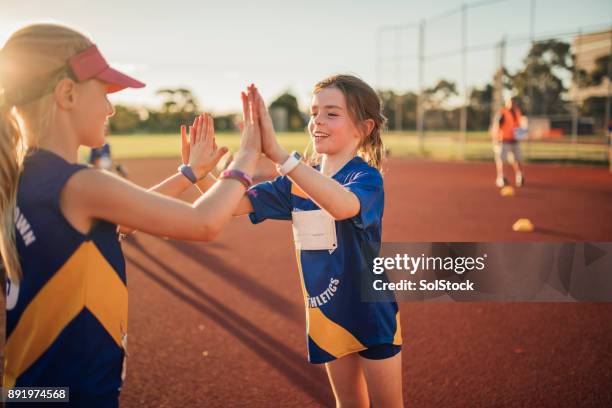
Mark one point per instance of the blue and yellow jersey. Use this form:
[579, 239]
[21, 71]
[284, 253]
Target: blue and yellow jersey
[338, 321]
[66, 321]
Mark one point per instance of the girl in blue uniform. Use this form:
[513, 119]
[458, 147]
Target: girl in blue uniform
[336, 207]
[66, 321]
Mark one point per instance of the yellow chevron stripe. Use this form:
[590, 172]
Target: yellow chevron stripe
[330, 336]
[85, 280]
[301, 274]
[107, 298]
[327, 334]
[297, 191]
[397, 339]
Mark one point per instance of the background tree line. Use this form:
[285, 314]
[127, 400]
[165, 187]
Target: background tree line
[179, 106]
[545, 67]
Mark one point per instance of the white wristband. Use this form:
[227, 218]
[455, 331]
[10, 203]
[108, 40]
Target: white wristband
[289, 164]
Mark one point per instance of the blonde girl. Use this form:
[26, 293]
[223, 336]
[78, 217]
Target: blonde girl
[66, 319]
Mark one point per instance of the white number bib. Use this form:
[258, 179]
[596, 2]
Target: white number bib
[314, 230]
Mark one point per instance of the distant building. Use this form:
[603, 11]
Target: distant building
[588, 48]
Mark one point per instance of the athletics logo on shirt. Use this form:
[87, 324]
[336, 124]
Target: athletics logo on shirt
[323, 298]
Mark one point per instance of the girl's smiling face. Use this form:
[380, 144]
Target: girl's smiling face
[331, 126]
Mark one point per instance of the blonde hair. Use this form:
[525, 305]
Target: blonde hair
[363, 103]
[32, 62]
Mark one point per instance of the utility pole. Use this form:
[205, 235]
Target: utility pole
[463, 124]
[420, 110]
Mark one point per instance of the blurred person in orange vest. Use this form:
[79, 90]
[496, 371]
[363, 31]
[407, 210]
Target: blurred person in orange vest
[509, 127]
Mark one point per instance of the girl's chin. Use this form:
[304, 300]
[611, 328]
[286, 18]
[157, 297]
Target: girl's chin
[321, 147]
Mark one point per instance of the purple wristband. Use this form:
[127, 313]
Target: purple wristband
[238, 175]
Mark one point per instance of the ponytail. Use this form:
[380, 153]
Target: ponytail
[372, 150]
[32, 61]
[11, 156]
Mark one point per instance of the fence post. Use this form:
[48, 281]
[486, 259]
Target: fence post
[574, 97]
[420, 110]
[463, 123]
[607, 115]
[398, 78]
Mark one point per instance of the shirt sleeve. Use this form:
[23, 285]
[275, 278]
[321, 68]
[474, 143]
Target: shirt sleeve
[367, 185]
[271, 200]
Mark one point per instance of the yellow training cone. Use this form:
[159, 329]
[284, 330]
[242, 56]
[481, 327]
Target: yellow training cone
[507, 191]
[523, 225]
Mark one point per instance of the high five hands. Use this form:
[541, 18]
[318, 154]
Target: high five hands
[258, 136]
[200, 150]
[270, 146]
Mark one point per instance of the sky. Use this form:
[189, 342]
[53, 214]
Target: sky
[216, 48]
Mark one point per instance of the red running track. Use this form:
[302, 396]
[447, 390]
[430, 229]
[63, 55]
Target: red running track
[222, 324]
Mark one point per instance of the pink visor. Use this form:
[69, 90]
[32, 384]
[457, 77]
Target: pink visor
[90, 64]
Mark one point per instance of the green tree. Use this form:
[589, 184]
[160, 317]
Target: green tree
[289, 102]
[178, 106]
[125, 120]
[435, 98]
[479, 108]
[177, 100]
[546, 63]
[226, 123]
[408, 105]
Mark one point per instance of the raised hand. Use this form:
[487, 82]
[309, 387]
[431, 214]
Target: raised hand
[251, 133]
[270, 146]
[201, 151]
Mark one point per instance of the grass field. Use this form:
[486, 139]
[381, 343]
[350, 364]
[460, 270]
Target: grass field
[437, 146]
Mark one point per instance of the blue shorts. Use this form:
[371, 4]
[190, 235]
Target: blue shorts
[380, 351]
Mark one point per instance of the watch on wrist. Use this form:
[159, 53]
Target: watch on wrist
[291, 163]
[187, 171]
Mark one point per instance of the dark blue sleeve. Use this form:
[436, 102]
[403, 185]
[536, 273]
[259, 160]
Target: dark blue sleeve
[271, 200]
[367, 185]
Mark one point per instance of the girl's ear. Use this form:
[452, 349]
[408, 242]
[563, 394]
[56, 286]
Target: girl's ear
[65, 93]
[368, 126]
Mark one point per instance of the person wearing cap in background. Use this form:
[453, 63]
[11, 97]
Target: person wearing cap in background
[509, 127]
[100, 158]
[66, 319]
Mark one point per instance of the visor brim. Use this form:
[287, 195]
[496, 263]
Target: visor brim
[117, 80]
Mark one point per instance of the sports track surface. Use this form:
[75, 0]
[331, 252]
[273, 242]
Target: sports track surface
[222, 323]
